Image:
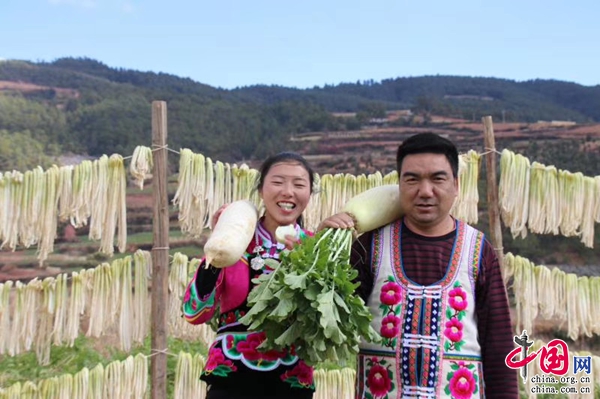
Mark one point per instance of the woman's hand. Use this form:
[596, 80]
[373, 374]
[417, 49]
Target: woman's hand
[291, 241]
[215, 217]
[341, 220]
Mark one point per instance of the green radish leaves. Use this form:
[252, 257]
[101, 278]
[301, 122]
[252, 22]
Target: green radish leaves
[308, 302]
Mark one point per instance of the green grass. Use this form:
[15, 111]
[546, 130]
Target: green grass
[88, 249]
[146, 237]
[189, 250]
[25, 366]
[66, 360]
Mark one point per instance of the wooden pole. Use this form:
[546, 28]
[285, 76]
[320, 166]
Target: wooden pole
[160, 252]
[492, 188]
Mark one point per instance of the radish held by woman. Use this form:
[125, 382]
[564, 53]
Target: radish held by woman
[236, 367]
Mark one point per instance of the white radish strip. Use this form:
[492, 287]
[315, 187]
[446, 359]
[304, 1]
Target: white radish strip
[141, 165]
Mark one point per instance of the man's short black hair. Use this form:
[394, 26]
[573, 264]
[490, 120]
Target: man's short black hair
[428, 143]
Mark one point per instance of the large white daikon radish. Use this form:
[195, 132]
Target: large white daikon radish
[375, 207]
[232, 234]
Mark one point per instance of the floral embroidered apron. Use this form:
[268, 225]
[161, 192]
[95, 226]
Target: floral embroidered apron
[429, 346]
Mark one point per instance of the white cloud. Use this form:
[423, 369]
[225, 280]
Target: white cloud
[76, 3]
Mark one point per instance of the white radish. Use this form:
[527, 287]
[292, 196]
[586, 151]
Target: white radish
[232, 234]
[375, 207]
[282, 231]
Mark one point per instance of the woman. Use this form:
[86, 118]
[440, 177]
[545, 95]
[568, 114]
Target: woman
[235, 369]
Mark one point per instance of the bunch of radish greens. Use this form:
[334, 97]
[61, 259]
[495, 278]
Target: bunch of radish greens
[308, 302]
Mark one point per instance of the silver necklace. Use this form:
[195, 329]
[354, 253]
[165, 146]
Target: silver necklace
[263, 251]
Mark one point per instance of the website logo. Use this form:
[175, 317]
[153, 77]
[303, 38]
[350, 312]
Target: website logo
[553, 360]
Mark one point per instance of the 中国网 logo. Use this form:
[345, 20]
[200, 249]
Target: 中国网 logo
[554, 364]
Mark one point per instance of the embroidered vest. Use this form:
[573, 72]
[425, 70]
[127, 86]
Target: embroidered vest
[429, 346]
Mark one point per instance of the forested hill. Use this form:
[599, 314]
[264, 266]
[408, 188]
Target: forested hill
[84, 106]
[453, 96]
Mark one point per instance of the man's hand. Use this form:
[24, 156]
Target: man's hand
[340, 220]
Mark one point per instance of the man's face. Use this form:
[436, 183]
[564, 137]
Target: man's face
[427, 192]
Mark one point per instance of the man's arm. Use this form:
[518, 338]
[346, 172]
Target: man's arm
[495, 329]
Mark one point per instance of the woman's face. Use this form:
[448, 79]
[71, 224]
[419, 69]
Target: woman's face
[285, 193]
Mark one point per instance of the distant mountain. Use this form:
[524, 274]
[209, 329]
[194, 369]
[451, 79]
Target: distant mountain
[83, 106]
[453, 96]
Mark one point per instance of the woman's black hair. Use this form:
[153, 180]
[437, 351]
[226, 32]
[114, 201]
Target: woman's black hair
[285, 157]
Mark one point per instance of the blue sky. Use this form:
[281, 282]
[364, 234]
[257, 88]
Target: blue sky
[229, 43]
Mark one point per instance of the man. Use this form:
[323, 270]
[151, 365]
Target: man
[434, 287]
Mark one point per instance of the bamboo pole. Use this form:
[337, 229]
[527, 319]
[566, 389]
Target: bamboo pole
[160, 252]
[492, 189]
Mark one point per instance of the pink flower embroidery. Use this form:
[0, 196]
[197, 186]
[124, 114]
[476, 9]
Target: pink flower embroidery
[230, 318]
[391, 294]
[249, 348]
[379, 381]
[390, 325]
[229, 342]
[453, 330]
[217, 358]
[462, 383]
[302, 372]
[272, 355]
[458, 299]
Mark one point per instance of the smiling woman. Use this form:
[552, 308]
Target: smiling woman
[285, 187]
[236, 367]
